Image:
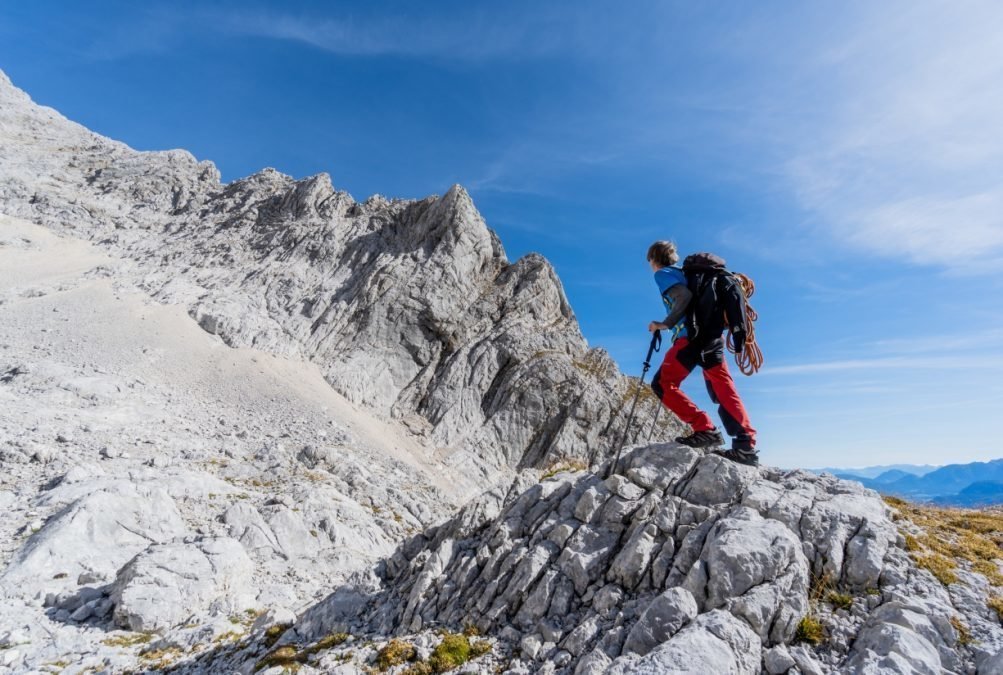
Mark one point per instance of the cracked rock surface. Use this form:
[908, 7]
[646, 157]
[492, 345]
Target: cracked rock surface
[684, 563]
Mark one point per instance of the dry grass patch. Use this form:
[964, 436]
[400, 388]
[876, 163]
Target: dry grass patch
[821, 589]
[964, 635]
[273, 633]
[592, 364]
[954, 536]
[839, 600]
[395, 653]
[941, 567]
[327, 642]
[810, 630]
[995, 603]
[128, 640]
[287, 656]
[561, 465]
[160, 658]
[633, 387]
[229, 636]
[291, 658]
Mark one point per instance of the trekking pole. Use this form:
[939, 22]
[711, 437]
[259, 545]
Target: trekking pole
[654, 423]
[656, 344]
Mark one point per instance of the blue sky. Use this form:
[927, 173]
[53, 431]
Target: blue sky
[846, 155]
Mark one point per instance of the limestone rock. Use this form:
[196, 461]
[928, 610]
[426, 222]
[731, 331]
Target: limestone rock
[715, 642]
[719, 584]
[778, 660]
[169, 583]
[902, 636]
[755, 567]
[96, 533]
[662, 619]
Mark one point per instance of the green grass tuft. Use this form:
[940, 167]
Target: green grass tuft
[395, 653]
[810, 631]
[840, 600]
[128, 640]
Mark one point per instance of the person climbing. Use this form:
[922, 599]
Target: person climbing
[697, 341]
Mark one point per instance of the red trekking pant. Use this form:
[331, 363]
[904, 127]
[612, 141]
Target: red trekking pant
[679, 362]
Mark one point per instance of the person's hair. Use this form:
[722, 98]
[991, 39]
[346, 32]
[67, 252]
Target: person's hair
[663, 253]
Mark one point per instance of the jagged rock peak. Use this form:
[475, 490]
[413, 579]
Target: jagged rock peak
[410, 307]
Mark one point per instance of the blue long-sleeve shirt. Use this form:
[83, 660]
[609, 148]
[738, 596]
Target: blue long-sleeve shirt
[666, 278]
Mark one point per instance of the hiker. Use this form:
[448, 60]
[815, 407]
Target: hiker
[695, 332]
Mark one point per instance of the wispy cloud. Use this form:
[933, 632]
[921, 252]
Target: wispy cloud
[879, 119]
[980, 342]
[974, 362]
[840, 290]
[900, 154]
[467, 33]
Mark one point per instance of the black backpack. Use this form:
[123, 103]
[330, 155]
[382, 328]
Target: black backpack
[718, 302]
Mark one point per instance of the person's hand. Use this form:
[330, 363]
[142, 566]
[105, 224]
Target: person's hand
[655, 325]
[738, 338]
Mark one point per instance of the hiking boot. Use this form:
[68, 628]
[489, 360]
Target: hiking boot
[744, 444]
[740, 457]
[702, 439]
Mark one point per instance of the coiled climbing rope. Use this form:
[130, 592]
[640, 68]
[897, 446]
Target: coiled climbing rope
[750, 359]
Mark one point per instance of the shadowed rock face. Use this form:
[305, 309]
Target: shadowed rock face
[685, 563]
[409, 307]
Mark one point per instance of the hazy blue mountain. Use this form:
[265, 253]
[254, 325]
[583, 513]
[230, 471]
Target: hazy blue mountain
[980, 493]
[973, 484]
[870, 472]
[947, 480]
[892, 475]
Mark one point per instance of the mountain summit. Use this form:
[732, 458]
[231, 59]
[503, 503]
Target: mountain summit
[409, 308]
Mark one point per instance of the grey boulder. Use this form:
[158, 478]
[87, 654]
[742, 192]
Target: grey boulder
[168, 583]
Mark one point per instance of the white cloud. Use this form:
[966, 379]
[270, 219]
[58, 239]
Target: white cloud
[965, 362]
[982, 341]
[900, 151]
[470, 33]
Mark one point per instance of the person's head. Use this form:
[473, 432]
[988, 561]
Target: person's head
[662, 254]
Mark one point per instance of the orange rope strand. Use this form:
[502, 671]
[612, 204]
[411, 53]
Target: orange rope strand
[750, 359]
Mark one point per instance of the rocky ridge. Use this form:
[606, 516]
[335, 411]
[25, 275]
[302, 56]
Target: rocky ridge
[686, 562]
[410, 308]
[680, 563]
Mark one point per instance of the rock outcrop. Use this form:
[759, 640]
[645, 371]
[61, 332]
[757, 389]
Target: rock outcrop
[685, 562]
[96, 534]
[168, 584]
[410, 308]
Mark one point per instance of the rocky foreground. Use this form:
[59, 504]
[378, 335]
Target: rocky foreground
[262, 427]
[681, 563]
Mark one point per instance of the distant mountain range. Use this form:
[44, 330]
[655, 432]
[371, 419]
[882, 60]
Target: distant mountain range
[876, 471]
[969, 485]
